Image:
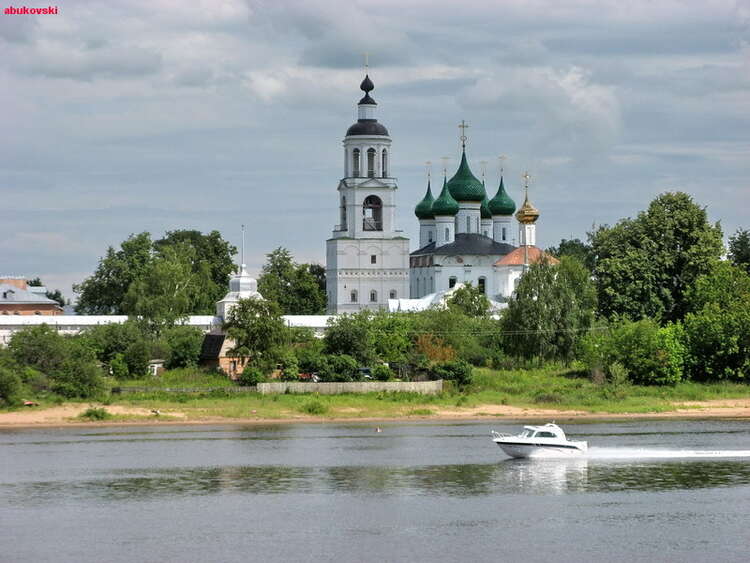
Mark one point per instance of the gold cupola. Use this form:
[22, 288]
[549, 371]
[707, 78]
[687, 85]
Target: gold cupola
[527, 214]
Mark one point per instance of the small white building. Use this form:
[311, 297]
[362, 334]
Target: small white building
[367, 257]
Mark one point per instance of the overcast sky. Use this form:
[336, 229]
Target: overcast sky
[125, 116]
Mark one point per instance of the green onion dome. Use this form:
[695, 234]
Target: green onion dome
[502, 204]
[445, 204]
[485, 209]
[423, 210]
[464, 186]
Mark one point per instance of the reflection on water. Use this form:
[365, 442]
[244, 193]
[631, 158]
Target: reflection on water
[505, 477]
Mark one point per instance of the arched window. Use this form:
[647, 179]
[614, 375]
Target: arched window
[343, 213]
[429, 236]
[482, 284]
[384, 165]
[468, 224]
[447, 234]
[452, 282]
[370, 163]
[484, 232]
[477, 225]
[372, 212]
[505, 234]
[355, 163]
[373, 296]
[353, 296]
[392, 294]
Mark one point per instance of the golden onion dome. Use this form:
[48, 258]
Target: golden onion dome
[527, 214]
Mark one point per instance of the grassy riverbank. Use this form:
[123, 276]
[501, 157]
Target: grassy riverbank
[524, 393]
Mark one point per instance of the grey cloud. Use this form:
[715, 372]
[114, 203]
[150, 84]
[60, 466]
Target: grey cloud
[56, 61]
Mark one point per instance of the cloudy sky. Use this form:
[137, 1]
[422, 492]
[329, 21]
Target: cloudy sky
[125, 116]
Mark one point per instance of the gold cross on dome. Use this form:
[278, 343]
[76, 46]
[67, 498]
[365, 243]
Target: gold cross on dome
[526, 177]
[428, 164]
[463, 126]
[483, 163]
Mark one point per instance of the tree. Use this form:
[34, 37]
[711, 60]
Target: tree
[739, 249]
[257, 330]
[167, 290]
[575, 248]
[295, 287]
[10, 387]
[210, 255]
[646, 265]
[103, 293]
[552, 308]
[352, 334]
[717, 328]
[40, 347]
[184, 344]
[470, 301]
[207, 258]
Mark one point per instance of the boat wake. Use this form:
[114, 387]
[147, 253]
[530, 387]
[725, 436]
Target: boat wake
[654, 453]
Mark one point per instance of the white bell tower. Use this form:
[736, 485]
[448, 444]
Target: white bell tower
[367, 258]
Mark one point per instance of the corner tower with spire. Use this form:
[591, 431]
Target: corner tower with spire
[367, 258]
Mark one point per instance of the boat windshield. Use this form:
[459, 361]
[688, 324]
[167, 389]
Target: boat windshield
[527, 433]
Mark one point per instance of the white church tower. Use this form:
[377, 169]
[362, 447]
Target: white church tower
[367, 258]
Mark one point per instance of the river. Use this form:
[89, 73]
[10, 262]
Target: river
[649, 491]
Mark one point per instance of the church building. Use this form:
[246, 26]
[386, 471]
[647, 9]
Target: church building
[367, 257]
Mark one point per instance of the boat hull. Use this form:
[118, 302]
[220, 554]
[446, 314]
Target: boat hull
[521, 450]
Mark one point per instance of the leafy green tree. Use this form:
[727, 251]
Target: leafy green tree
[251, 376]
[459, 371]
[137, 356]
[167, 290]
[119, 367]
[184, 343]
[210, 254]
[257, 330]
[111, 339]
[10, 387]
[295, 287]
[352, 334]
[718, 327]
[40, 347]
[343, 368]
[382, 372]
[104, 291]
[470, 301]
[472, 338]
[552, 308]
[646, 265]
[576, 249]
[739, 249]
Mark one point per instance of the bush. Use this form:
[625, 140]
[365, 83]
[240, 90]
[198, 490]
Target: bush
[94, 413]
[10, 387]
[343, 368]
[184, 346]
[137, 355]
[40, 347]
[651, 355]
[314, 407]
[459, 372]
[78, 379]
[289, 367]
[119, 367]
[382, 372]
[251, 376]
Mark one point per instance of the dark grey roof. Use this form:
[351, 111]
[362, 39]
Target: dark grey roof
[367, 100]
[12, 294]
[467, 243]
[367, 127]
[211, 347]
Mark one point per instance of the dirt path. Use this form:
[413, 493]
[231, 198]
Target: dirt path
[65, 415]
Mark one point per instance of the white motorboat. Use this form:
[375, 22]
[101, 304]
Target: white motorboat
[540, 441]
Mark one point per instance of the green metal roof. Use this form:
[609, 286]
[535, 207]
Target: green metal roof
[502, 204]
[445, 204]
[423, 210]
[464, 186]
[484, 209]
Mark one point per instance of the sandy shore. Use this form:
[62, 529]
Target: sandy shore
[65, 415]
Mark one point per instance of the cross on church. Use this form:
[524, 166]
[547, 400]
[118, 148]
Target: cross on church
[502, 158]
[463, 126]
[367, 62]
[526, 178]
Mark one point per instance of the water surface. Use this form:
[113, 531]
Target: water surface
[657, 491]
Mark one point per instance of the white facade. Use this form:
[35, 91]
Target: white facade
[367, 258]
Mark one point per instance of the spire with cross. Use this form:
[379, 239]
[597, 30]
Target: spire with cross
[463, 126]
